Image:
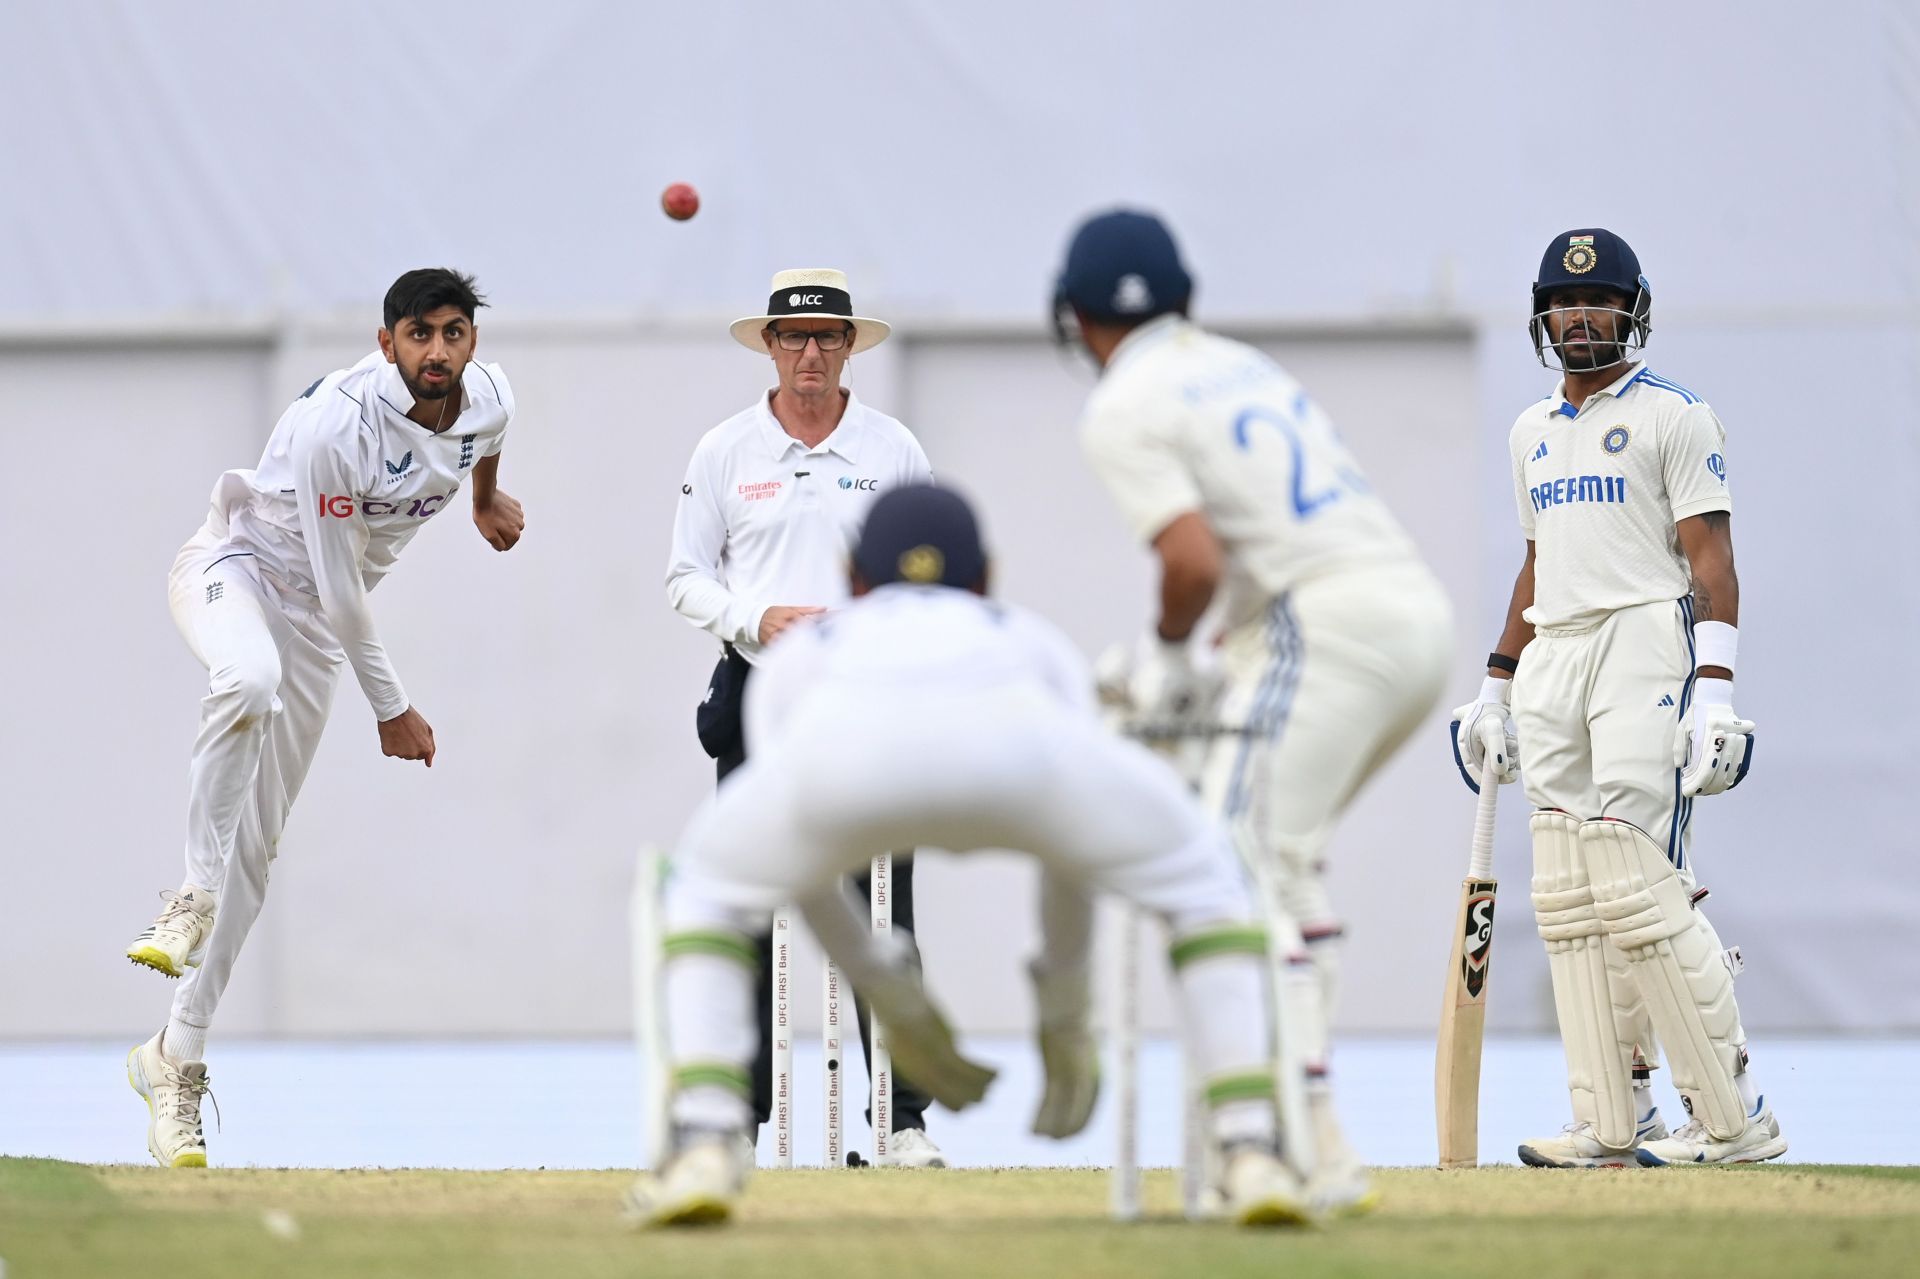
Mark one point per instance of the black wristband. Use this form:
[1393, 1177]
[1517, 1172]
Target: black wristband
[1501, 662]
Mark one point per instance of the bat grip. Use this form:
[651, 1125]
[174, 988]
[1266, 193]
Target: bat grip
[1480, 866]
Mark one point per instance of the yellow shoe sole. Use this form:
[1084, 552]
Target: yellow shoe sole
[705, 1211]
[1274, 1212]
[154, 958]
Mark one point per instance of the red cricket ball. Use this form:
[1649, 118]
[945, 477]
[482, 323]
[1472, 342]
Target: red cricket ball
[680, 201]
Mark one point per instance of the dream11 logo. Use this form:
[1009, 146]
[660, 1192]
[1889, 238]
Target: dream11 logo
[340, 506]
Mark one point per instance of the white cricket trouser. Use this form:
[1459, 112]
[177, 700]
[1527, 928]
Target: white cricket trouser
[1326, 687]
[1597, 711]
[271, 664]
[862, 771]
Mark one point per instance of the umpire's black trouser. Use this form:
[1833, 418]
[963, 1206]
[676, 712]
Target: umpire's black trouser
[719, 724]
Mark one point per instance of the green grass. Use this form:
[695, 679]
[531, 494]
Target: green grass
[72, 1220]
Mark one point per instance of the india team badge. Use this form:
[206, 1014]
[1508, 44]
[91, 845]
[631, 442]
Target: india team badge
[1580, 257]
[1615, 441]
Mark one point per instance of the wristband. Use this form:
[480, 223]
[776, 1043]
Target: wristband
[1494, 690]
[1501, 662]
[1715, 644]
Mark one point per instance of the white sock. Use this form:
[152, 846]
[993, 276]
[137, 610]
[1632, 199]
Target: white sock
[1224, 998]
[710, 1022]
[1643, 1103]
[183, 1043]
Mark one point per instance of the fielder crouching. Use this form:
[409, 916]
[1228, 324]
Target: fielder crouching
[1618, 654]
[926, 715]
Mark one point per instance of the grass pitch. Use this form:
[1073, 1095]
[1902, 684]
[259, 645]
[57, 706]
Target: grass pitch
[75, 1220]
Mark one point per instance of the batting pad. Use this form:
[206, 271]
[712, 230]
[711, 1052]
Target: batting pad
[1679, 968]
[1599, 1075]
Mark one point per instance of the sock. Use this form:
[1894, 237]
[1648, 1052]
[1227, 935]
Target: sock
[1643, 1103]
[1224, 999]
[710, 1028]
[183, 1043]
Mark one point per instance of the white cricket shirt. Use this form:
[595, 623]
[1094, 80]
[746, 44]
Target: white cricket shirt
[346, 481]
[1184, 420]
[1600, 487]
[764, 520]
[914, 639]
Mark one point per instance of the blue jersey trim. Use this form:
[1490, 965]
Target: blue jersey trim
[1682, 805]
[1654, 380]
[1272, 701]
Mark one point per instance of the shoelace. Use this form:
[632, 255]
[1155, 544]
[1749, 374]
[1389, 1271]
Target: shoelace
[186, 1106]
[1693, 1131]
[176, 907]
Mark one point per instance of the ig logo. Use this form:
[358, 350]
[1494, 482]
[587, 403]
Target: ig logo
[1717, 465]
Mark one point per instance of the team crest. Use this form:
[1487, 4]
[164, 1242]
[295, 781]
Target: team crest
[923, 564]
[1615, 441]
[1579, 257]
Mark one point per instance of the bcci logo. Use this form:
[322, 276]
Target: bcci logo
[1579, 257]
[1131, 296]
[1615, 441]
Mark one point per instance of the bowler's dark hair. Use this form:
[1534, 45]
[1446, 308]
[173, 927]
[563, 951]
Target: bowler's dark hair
[428, 289]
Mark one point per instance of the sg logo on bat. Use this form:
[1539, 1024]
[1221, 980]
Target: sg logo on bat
[1477, 945]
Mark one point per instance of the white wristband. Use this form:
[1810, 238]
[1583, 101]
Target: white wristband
[1493, 689]
[1715, 644]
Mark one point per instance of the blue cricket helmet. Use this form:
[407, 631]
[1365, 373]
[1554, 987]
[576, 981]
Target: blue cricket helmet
[921, 533]
[1593, 257]
[1122, 267]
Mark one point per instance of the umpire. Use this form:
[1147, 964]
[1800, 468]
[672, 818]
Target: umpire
[769, 512]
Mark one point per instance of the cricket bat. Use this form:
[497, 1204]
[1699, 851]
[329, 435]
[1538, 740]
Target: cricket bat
[1463, 1013]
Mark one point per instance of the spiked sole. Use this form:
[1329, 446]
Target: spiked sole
[155, 958]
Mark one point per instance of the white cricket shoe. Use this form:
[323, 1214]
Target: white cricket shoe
[1758, 1142]
[172, 1091]
[1259, 1189]
[175, 941]
[697, 1186]
[1339, 1186]
[1577, 1147]
[912, 1148]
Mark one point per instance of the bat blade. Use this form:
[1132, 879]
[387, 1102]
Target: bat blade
[1463, 1019]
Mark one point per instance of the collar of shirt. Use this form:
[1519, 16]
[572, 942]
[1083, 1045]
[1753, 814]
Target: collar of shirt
[1557, 404]
[1150, 334]
[844, 438]
[392, 389]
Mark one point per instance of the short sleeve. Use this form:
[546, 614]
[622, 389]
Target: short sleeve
[1693, 463]
[1134, 454]
[1522, 496]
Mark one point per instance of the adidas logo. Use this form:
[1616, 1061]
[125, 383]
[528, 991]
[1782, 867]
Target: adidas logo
[1667, 700]
[1540, 452]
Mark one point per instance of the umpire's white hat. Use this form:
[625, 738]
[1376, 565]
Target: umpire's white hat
[818, 291]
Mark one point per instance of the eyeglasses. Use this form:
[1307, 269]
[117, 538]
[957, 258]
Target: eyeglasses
[797, 339]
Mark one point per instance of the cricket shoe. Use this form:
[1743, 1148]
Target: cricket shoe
[1577, 1147]
[1758, 1142]
[175, 941]
[1259, 1189]
[1339, 1186]
[172, 1090]
[697, 1186]
[912, 1148]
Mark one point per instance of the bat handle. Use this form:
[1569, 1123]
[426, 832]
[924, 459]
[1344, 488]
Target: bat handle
[1481, 863]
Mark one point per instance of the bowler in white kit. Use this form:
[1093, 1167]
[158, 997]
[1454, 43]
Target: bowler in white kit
[1613, 682]
[271, 595]
[925, 715]
[1335, 634]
